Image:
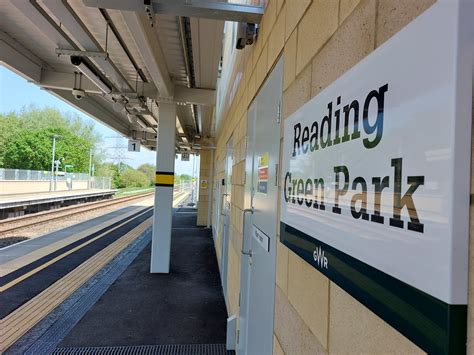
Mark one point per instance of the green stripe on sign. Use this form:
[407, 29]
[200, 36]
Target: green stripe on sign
[433, 325]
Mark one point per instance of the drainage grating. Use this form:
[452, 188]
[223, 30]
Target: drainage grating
[186, 349]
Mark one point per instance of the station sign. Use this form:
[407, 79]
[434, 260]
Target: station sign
[133, 145]
[376, 179]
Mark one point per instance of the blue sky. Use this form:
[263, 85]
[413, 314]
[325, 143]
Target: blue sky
[16, 92]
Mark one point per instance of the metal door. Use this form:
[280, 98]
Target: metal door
[257, 297]
[225, 215]
[216, 225]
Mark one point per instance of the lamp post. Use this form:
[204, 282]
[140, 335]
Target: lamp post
[56, 164]
[52, 162]
[90, 169]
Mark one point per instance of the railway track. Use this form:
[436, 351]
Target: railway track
[49, 275]
[37, 282]
[14, 224]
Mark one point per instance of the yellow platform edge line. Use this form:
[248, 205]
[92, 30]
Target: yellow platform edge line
[21, 320]
[71, 276]
[26, 259]
[59, 257]
[79, 276]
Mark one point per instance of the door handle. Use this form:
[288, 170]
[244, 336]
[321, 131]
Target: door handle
[244, 252]
[276, 174]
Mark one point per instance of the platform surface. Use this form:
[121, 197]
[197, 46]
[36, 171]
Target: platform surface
[22, 249]
[183, 310]
[8, 201]
[185, 306]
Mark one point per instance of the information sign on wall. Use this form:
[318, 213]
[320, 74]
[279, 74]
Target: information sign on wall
[262, 185]
[375, 179]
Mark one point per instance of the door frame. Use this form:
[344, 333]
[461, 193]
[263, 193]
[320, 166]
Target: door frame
[248, 213]
[226, 201]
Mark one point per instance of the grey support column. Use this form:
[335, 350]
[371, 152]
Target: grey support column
[165, 155]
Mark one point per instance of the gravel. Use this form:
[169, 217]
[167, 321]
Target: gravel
[48, 227]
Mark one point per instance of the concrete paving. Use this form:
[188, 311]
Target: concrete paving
[41, 198]
[185, 306]
[19, 293]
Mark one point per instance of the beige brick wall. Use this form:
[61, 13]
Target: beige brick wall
[204, 193]
[354, 329]
[218, 175]
[320, 40]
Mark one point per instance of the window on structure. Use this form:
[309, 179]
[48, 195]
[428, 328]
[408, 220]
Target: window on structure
[233, 36]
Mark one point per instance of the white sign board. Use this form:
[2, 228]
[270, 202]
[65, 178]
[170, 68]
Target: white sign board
[133, 145]
[261, 238]
[377, 164]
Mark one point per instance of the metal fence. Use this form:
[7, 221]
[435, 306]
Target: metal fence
[97, 182]
[182, 186]
[101, 182]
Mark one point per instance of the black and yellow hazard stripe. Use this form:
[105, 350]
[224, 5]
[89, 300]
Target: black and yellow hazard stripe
[164, 178]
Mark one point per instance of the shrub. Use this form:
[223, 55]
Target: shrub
[134, 178]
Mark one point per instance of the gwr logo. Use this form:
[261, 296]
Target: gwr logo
[321, 260]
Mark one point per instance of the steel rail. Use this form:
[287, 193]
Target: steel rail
[77, 210]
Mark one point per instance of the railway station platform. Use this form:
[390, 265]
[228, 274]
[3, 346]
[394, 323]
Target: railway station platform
[19, 204]
[93, 293]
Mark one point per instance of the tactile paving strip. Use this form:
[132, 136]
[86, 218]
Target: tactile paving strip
[55, 333]
[175, 349]
[28, 315]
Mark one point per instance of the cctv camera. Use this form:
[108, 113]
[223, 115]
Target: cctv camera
[246, 34]
[78, 94]
[75, 60]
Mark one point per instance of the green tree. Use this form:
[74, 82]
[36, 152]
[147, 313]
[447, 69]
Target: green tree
[133, 178]
[111, 170]
[9, 126]
[33, 118]
[149, 171]
[26, 139]
[32, 149]
[185, 177]
[105, 169]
